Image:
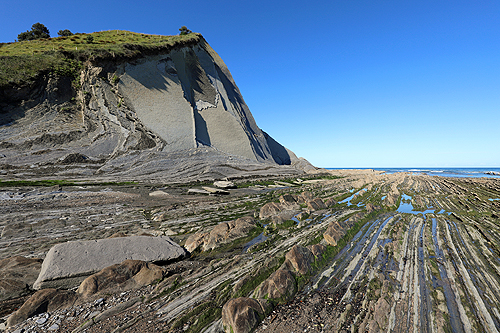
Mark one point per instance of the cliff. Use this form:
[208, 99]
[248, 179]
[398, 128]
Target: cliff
[162, 113]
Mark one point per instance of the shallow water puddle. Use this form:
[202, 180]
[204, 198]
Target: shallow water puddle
[406, 207]
[259, 239]
[348, 199]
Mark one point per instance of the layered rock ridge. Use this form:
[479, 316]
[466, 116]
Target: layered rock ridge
[148, 108]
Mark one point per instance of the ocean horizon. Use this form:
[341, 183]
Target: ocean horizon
[442, 172]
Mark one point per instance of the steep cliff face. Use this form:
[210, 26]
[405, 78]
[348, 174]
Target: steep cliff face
[189, 98]
[153, 108]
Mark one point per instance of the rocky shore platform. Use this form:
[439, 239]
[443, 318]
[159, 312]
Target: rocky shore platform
[324, 251]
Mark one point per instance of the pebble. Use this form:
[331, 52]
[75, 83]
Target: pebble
[41, 321]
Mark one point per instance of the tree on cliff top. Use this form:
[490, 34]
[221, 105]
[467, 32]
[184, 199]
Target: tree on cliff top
[184, 31]
[37, 31]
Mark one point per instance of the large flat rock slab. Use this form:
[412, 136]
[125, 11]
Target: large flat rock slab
[68, 264]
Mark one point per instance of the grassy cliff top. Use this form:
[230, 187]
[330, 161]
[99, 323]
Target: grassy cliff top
[21, 62]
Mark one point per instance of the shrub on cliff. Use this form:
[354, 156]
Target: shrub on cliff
[37, 31]
[184, 31]
[64, 33]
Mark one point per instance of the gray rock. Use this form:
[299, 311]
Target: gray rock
[159, 194]
[68, 264]
[224, 184]
[215, 190]
[197, 191]
[54, 327]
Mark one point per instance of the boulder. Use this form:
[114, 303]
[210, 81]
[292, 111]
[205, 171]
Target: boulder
[195, 240]
[288, 199]
[317, 249]
[280, 286]
[287, 211]
[127, 275]
[222, 233]
[370, 208]
[330, 202]
[270, 209]
[316, 204]
[304, 197]
[17, 274]
[68, 264]
[42, 301]
[224, 184]
[241, 315]
[301, 259]
[333, 233]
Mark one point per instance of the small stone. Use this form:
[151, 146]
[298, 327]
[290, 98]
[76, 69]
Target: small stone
[41, 321]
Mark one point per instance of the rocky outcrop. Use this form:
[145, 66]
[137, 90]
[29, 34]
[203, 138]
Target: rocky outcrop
[316, 204]
[136, 115]
[280, 286]
[337, 229]
[17, 275]
[287, 207]
[330, 202]
[222, 233]
[68, 264]
[241, 315]
[129, 274]
[300, 258]
[42, 301]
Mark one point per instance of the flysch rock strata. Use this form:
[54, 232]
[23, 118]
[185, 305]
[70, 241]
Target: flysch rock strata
[68, 264]
[162, 110]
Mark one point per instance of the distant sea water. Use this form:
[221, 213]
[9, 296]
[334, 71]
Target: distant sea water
[442, 172]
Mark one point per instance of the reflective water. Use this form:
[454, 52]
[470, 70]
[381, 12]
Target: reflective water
[406, 207]
[348, 199]
[259, 239]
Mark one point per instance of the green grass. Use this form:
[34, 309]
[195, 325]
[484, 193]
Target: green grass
[21, 62]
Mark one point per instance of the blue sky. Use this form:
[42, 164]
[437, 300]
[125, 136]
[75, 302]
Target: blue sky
[343, 83]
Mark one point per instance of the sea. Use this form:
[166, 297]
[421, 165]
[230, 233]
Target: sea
[442, 172]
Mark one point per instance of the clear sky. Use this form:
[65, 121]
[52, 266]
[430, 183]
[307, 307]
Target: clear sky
[343, 83]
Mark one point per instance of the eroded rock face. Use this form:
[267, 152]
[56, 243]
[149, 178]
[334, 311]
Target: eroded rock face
[381, 312]
[301, 258]
[42, 301]
[17, 274]
[127, 275]
[173, 101]
[334, 232]
[330, 202]
[286, 208]
[68, 264]
[224, 232]
[241, 315]
[317, 249]
[281, 286]
[316, 204]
